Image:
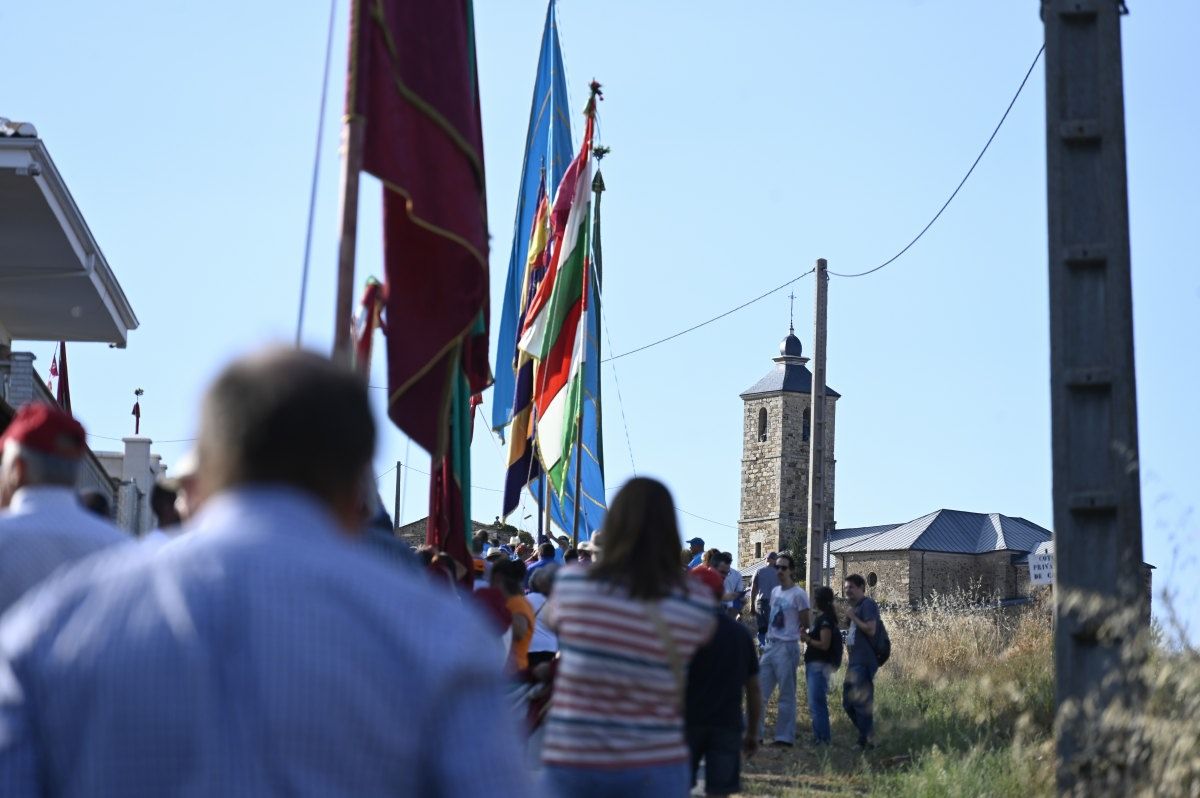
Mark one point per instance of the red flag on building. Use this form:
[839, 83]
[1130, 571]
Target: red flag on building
[414, 90]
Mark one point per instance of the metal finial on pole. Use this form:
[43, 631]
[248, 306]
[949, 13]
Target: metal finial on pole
[792, 313]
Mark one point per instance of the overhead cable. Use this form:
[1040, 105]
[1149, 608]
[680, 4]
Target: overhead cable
[961, 183]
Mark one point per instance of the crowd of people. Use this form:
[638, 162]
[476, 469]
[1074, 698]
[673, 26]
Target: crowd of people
[274, 637]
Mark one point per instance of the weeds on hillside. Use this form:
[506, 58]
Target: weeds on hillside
[965, 707]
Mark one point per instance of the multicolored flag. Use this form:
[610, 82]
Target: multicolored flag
[523, 463]
[413, 85]
[547, 149]
[555, 330]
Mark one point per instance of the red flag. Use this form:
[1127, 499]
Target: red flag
[413, 85]
[63, 396]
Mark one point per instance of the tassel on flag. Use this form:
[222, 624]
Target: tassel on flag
[369, 319]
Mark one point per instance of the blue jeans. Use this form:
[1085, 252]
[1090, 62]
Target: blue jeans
[817, 676]
[778, 666]
[667, 781]
[858, 698]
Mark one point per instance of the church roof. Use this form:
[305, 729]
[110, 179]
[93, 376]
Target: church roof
[790, 375]
[948, 531]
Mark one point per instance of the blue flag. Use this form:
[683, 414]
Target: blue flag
[548, 146]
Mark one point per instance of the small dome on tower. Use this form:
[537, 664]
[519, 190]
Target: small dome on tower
[790, 346]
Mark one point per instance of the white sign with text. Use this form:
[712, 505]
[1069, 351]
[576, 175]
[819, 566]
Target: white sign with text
[1041, 568]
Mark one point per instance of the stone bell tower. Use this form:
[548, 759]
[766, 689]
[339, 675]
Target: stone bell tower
[775, 441]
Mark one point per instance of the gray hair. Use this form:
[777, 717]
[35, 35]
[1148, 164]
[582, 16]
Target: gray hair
[42, 468]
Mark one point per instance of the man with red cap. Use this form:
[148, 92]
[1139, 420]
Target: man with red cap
[43, 525]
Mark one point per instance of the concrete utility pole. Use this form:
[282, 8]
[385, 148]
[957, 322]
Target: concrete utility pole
[396, 502]
[816, 436]
[1097, 503]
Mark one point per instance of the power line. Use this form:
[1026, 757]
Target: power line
[119, 440]
[961, 183]
[876, 268]
[620, 401]
[710, 321]
[472, 487]
[702, 518]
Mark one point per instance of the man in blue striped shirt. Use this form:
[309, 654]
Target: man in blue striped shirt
[267, 651]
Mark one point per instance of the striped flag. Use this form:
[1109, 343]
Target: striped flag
[523, 465]
[555, 330]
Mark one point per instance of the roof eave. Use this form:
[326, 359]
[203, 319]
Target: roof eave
[95, 265]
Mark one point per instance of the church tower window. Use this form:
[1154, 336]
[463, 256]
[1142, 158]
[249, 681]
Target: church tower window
[806, 426]
[762, 424]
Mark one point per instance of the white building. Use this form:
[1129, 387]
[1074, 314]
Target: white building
[56, 285]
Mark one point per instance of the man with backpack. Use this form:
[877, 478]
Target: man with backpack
[865, 640]
[822, 656]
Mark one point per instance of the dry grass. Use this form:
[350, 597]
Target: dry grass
[965, 707]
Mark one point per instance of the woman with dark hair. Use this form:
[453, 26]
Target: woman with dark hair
[822, 657]
[627, 628]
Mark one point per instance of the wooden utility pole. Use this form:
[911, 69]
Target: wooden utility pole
[1097, 503]
[816, 436]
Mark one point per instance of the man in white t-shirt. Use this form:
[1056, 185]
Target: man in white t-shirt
[781, 657]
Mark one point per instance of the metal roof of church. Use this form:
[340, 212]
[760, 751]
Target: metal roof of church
[948, 531]
[790, 375]
[786, 377]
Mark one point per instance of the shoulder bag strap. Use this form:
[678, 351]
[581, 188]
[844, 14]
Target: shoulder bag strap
[673, 658]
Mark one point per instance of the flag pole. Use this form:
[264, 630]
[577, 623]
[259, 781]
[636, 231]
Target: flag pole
[597, 190]
[546, 503]
[352, 157]
[578, 472]
[352, 139]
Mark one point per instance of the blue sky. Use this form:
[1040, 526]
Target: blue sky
[747, 141]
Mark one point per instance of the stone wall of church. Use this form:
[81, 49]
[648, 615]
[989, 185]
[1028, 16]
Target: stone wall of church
[916, 576]
[758, 521]
[774, 495]
[795, 455]
[986, 576]
[891, 570]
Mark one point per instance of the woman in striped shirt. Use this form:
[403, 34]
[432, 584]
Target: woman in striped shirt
[627, 628]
